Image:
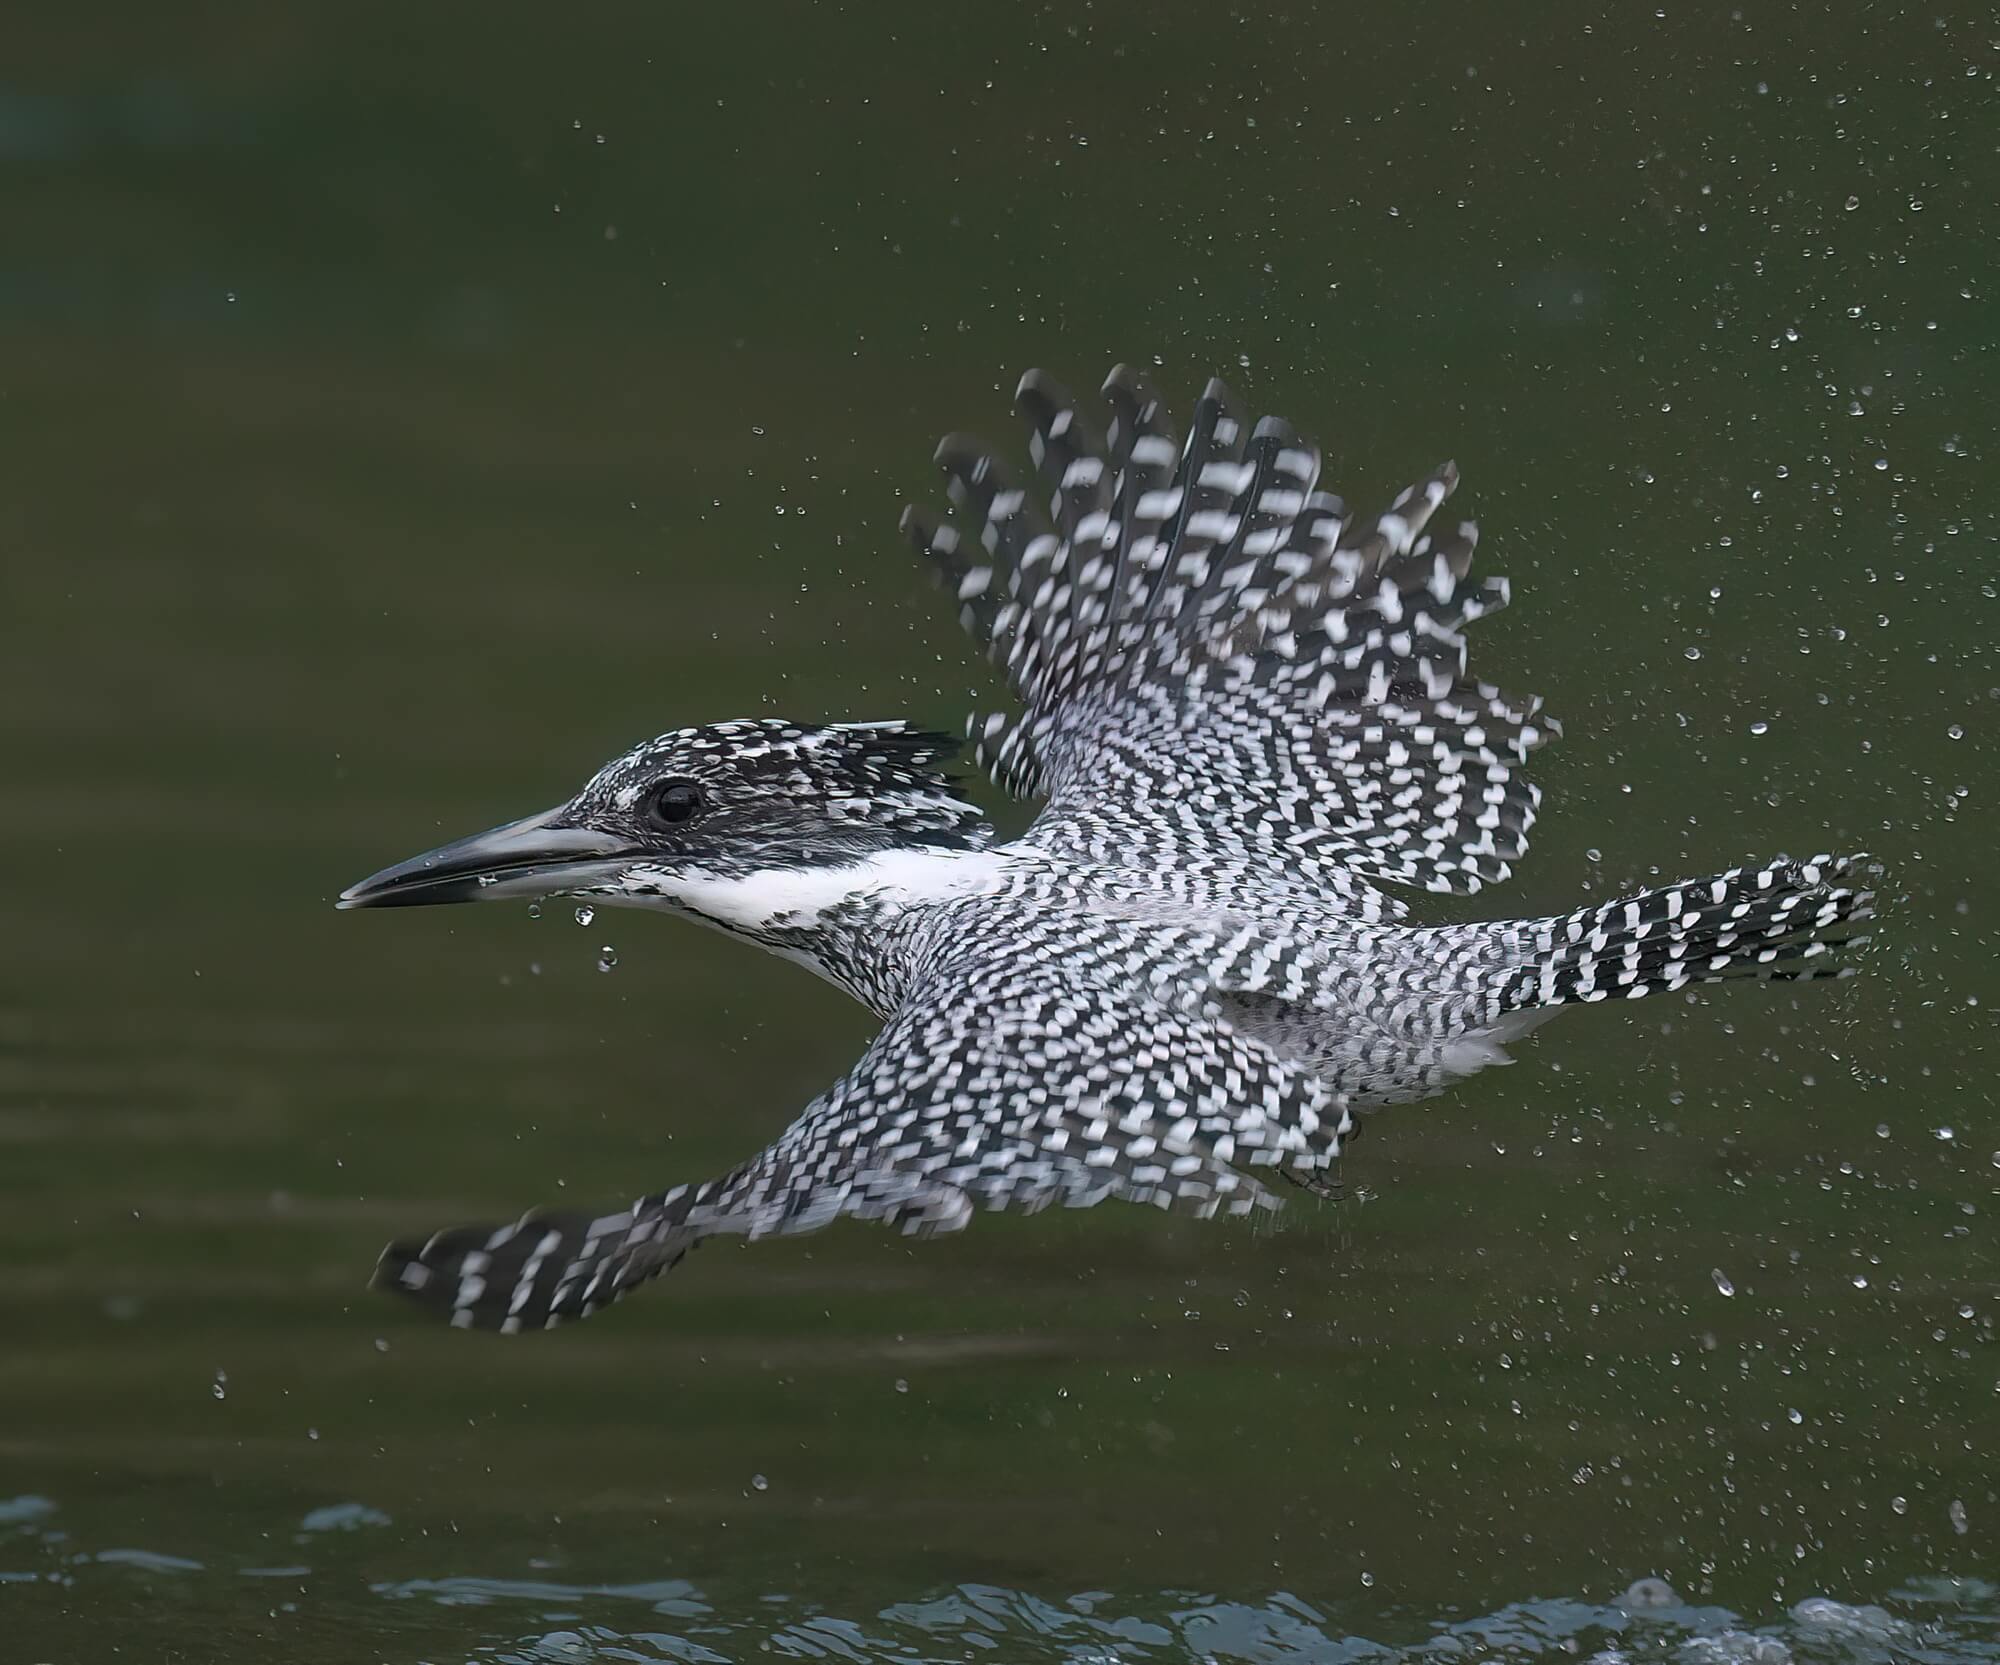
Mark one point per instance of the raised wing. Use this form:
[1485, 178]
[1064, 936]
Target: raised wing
[1217, 661]
[1009, 1092]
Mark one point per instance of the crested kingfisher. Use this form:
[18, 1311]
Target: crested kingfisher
[1247, 717]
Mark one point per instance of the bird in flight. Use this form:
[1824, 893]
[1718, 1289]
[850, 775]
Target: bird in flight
[1247, 715]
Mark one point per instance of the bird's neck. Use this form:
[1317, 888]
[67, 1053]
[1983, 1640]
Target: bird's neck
[851, 922]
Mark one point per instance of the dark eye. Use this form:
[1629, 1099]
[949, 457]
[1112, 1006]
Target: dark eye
[674, 803]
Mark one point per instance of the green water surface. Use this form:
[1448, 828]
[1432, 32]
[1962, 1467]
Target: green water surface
[406, 407]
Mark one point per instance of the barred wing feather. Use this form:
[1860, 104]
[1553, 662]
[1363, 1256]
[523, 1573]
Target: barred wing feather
[1215, 658]
[995, 1089]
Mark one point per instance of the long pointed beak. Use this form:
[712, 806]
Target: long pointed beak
[531, 857]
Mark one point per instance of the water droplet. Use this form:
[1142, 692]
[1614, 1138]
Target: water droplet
[220, 1386]
[607, 958]
[1760, 728]
[585, 913]
[1860, 1280]
[1795, 1417]
[534, 910]
[1693, 652]
[759, 1483]
[1946, 1135]
[902, 1386]
[1955, 732]
[1722, 1284]
[1853, 203]
[1900, 1504]
[1650, 1592]
[1959, 1523]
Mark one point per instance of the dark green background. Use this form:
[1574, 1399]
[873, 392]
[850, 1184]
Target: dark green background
[405, 408]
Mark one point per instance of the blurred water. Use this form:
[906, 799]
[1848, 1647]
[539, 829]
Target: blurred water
[548, 1617]
[406, 410]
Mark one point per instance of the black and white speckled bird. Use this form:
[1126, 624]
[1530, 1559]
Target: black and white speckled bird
[1248, 715]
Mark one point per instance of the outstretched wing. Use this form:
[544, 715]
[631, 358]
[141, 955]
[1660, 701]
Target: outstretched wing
[1217, 662]
[1009, 1093]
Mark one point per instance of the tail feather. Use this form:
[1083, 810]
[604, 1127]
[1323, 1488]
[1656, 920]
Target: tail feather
[1779, 922]
[543, 1269]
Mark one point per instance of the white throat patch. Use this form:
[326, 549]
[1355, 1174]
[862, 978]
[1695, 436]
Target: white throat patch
[797, 897]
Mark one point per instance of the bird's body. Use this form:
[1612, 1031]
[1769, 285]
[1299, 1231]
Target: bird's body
[1248, 715]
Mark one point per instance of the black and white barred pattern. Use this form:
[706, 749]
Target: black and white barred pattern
[989, 1089]
[1199, 630]
[1248, 711]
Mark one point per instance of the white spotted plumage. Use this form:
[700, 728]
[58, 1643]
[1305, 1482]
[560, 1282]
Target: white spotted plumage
[1248, 713]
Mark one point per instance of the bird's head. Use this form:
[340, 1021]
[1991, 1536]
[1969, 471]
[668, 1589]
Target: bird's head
[707, 807]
